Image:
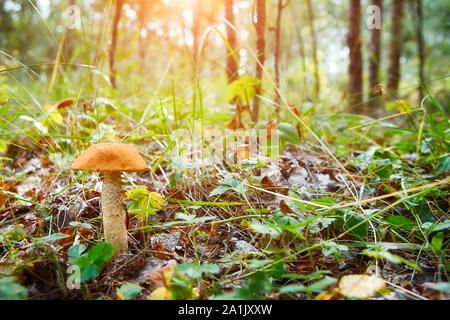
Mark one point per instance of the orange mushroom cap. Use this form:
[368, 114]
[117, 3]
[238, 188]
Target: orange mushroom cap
[110, 157]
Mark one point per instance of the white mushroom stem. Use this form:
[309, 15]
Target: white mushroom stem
[113, 211]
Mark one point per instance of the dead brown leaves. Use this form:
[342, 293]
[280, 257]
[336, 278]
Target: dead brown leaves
[84, 233]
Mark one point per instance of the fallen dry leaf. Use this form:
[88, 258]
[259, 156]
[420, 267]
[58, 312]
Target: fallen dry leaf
[65, 103]
[161, 293]
[360, 285]
[85, 233]
[161, 277]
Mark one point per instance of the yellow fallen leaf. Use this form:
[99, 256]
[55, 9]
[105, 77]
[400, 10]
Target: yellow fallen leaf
[56, 117]
[328, 295]
[47, 107]
[156, 200]
[168, 272]
[360, 285]
[161, 293]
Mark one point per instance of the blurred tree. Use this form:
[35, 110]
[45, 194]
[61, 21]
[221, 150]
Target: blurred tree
[316, 94]
[280, 8]
[375, 58]
[395, 45]
[355, 66]
[232, 64]
[69, 44]
[196, 30]
[112, 52]
[420, 45]
[144, 8]
[259, 21]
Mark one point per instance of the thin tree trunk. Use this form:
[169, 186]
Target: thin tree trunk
[277, 54]
[420, 46]
[142, 16]
[259, 24]
[314, 50]
[196, 30]
[303, 58]
[374, 59]
[355, 66]
[395, 45]
[112, 53]
[232, 65]
[68, 41]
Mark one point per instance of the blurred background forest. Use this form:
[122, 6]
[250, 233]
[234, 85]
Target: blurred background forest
[356, 90]
[158, 45]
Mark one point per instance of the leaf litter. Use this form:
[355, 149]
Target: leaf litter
[270, 220]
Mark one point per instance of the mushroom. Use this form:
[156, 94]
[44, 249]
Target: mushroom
[111, 159]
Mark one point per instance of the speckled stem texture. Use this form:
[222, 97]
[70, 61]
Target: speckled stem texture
[113, 211]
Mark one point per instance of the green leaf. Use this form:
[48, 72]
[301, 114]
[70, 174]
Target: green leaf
[320, 285]
[332, 248]
[312, 276]
[128, 291]
[175, 178]
[400, 221]
[237, 294]
[258, 264]
[10, 290]
[436, 242]
[293, 288]
[244, 88]
[381, 168]
[80, 224]
[363, 161]
[442, 226]
[442, 166]
[229, 184]
[288, 133]
[192, 218]
[424, 212]
[75, 252]
[91, 262]
[50, 238]
[259, 283]
[278, 268]
[195, 271]
[390, 257]
[274, 232]
[441, 286]
[349, 219]
[400, 105]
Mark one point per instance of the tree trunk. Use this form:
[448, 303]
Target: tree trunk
[259, 24]
[277, 54]
[303, 58]
[68, 48]
[232, 64]
[395, 45]
[142, 16]
[355, 66]
[196, 30]
[420, 46]
[374, 59]
[314, 50]
[112, 53]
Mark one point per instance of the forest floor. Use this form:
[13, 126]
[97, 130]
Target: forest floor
[290, 227]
